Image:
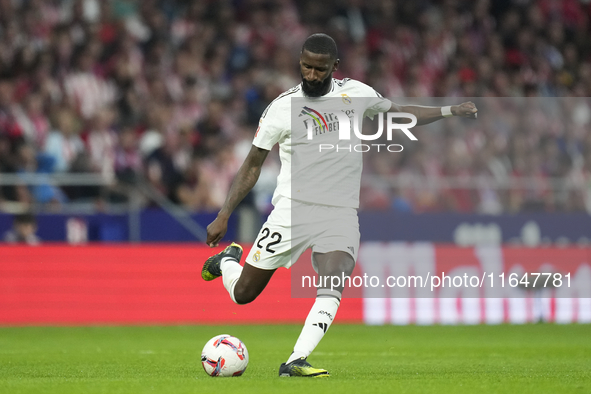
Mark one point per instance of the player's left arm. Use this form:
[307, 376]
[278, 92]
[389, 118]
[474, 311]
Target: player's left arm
[426, 115]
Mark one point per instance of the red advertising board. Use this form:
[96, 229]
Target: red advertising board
[161, 284]
[474, 285]
[103, 284]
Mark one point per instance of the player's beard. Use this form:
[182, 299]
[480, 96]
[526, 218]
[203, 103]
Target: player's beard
[316, 89]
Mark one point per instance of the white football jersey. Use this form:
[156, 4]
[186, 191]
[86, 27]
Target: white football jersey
[310, 171]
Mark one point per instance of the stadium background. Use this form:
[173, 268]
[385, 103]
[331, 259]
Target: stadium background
[124, 122]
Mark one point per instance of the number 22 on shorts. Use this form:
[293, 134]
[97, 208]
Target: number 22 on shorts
[275, 238]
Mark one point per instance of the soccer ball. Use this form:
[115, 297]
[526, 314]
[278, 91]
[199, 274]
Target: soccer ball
[224, 355]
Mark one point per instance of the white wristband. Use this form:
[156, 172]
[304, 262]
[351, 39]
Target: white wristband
[446, 111]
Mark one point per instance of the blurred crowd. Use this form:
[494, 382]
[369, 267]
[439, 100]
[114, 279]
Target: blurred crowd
[170, 93]
[522, 154]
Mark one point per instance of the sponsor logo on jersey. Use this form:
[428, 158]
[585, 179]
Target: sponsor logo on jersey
[317, 116]
[256, 256]
[340, 121]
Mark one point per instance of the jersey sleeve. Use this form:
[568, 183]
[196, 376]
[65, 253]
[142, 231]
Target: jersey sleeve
[270, 129]
[376, 103]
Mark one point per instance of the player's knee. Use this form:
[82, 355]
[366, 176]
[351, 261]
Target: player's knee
[336, 264]
[348, 266]
[243, 299]
[343, 265]
[244, 295]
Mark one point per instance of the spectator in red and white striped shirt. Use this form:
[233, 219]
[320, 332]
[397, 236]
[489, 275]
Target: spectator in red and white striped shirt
[86, 91]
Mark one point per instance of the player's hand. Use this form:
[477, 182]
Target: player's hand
[465, 110]
[216, 231]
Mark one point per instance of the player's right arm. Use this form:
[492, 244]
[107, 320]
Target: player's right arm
[245, 179]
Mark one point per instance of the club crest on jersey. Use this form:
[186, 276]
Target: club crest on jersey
[346, 99]
[257, 256]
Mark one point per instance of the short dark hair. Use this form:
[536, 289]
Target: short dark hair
[322, 44]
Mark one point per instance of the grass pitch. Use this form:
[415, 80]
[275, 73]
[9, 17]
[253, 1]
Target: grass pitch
[536, 359]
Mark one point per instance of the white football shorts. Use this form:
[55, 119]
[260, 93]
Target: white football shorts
[294, 226]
